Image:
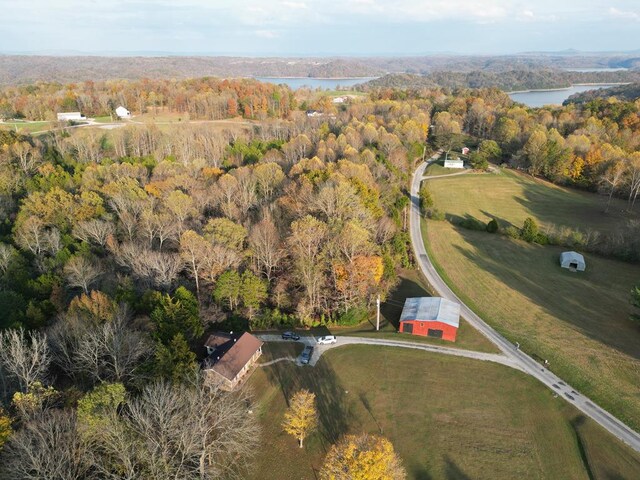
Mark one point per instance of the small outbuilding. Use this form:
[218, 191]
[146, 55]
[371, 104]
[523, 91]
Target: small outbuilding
[453, 163]
[122, 112]
[573, 261]
[230, 358]
[66, 116]
[430, 317]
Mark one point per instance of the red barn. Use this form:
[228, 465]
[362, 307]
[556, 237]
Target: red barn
[431, 317]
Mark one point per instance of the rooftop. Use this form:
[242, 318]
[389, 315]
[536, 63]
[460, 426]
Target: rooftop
[231, 353]
[431, 309]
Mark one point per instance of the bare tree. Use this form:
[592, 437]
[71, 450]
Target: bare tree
[187, 431]
[612, 178]
[48, 446]
[24, 357]
[111, 351]
[266, 248]
[82, 272]
[94, 231]
[7, 252]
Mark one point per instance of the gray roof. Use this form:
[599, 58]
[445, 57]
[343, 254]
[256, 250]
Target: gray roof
[567, 258]
[434, 309]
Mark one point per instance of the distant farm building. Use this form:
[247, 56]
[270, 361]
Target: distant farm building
[430, 317]
[573, 261]
[314, 113]
[465, 151]
[339, 99]
[66, 116]
[122, 112]
[453, 163]
[230, 358]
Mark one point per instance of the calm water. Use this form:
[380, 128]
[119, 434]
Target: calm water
[323, 83]
[540, 98]
[598, 69]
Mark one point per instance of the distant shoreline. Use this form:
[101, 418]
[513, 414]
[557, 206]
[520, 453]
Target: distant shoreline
[257, 77]
[569, 87]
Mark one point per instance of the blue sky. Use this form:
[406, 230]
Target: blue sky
[318, 27]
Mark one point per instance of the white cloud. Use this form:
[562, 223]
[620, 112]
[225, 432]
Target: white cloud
[629, 15]
[268, 34]
[295, 5]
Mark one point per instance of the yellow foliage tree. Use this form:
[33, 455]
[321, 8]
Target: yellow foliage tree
[5, 427]
[302, 417]
[362, 457]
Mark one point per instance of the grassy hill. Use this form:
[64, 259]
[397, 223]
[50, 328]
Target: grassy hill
[447, 417]
[579, 322]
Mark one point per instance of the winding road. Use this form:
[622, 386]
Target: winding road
[510, 356]
[520, 360]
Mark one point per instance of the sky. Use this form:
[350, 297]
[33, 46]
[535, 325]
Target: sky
[318, 27]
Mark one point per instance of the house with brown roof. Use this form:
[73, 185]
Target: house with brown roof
[230, 358]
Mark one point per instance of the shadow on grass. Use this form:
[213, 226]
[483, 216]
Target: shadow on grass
[330, 395]
[453, 472]
[533, 280]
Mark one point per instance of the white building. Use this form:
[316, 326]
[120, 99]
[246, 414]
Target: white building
[453, 163]
[573, 261]
[339, 100]
[65, 116]
[122, 112]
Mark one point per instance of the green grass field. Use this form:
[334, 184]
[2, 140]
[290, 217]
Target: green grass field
[447, 417]
[26, 127]
[510, 197]
[579, 322]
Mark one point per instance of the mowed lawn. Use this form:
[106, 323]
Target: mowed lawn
[579, 322]
[510, 197]
[448, 418]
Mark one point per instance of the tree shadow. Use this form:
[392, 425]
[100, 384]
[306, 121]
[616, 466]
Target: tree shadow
[549, 204]
[321, 379]
[453, 472]
[533, 281]
[419, 472]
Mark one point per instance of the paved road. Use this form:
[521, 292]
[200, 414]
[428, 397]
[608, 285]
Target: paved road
[318, 350]
[523, 361]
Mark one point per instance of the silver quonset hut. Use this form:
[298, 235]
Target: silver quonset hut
[573, 261]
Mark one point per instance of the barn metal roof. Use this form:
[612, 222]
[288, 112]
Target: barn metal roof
[431, 309]
[571, 257]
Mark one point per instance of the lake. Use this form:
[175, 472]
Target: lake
[324, 83]
[540, 98]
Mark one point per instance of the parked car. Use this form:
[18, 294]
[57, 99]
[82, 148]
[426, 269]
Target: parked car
[290, 336]
[327, 339]
[306, 354]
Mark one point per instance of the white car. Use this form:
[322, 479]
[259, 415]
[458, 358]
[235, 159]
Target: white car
[327, 339]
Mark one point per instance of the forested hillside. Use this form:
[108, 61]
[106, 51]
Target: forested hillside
[627, 93]
[120, 248]
[506, 80]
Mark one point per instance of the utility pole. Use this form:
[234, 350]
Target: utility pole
[378, 313]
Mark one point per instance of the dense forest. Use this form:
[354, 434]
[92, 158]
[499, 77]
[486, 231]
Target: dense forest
[120, 248]
[507, 80]
[627, 93]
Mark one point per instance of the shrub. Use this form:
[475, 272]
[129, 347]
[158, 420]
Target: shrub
[471, 223]
[353, 316]
[492, 226]
[426, 200]
[529, 231]
[435, 214]
[512, 232]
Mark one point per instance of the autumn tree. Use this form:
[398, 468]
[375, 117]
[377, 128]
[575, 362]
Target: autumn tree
[5, 427]
[362, 457]
[301, 418]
